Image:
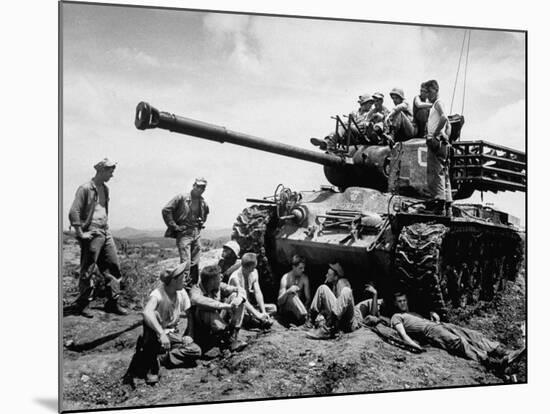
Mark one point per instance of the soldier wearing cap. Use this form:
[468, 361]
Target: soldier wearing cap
[400, 118]
[334, 301]
[89, 218]
[376, 117]
[164, 324]
[185, 216]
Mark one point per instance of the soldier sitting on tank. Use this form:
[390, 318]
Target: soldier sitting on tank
[257, 314]
[164, 320]
[357, 124]
[421, 111]
[218, 311]
[333, 300]
[400, 118]
[229, 262]
[294, 293]
[377, 129]
[462, 342]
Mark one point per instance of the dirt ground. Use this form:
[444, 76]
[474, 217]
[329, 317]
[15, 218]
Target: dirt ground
[279, 363]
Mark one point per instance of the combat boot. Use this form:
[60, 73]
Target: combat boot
[153, 373]
[319, 143]
[112, 306]
[322, 333]
[236, 344]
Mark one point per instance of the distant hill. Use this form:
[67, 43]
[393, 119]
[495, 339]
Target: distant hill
[132, 233]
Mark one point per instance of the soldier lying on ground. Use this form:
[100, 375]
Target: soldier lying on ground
[164, 320]
[294, 292]
[456, 340]
[218, 311]
[256, 313]
[334, 301]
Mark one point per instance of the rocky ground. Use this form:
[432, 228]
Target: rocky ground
[280, 363]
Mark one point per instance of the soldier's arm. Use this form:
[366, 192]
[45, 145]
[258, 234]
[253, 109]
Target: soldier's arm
[282, 291]
[259, 295]
[403, 334]
[442, 118]
[307, 291]
[76, 208]
[421, 104]
[168, 212]
[206, 303]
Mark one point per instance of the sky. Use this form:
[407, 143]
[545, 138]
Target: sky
[276, 78]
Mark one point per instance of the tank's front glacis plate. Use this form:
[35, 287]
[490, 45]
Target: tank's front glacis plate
[319, 240]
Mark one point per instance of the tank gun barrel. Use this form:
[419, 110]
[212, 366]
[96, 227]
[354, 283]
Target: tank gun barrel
[148, 117]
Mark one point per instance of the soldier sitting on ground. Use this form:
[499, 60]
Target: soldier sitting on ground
[294, 292]
[334, 301]
[164, 324]
[229, 261]
[218, 311]
[257, 313]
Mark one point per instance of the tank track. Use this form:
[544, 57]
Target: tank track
[441, 268]
[417, 263]
[251, 231]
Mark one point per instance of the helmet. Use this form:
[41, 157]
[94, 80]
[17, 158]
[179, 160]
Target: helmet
[234, 246]
[399, 92]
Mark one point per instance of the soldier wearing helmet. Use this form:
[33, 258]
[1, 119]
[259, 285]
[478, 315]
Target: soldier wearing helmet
[229, 262]
[400, 118]
[358, 125]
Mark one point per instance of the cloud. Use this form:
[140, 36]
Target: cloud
[231, 35]
[133, 56]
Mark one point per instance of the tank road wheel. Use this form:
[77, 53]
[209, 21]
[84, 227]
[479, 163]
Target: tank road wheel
[418, 266]
[251, 230]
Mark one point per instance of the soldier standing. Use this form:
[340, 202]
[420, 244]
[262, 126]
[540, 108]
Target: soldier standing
[88, 216]
[437, 141]
[185, 216]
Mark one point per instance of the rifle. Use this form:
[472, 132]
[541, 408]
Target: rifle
[393, 340]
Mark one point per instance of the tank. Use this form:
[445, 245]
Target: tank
[374, 218]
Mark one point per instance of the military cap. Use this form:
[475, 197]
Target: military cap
[167, 275]
[105, 163]
[378, 95]
[200, 181]
[364, 98]
[337, 268]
